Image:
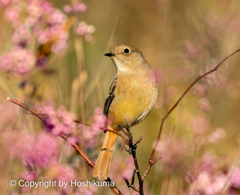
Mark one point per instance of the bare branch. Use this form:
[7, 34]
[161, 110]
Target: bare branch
[112, 131]
[82, 154]
[132, 151]
[151, 162]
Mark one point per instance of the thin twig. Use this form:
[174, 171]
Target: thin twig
[132, 151]
[151, 161]
[82, 154]
[104, 129]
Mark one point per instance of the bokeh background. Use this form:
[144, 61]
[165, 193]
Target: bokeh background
[52, 60]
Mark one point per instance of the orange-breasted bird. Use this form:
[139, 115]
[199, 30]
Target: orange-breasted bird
[132, 95]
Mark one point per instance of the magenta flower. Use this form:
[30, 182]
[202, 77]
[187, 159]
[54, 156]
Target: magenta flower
[40, 150]
[173, 150]
[99, 121]
[67, 9]
[236, 178]
[128, 172]
[12, 14]
[65, 173]
[86, 31]
[80, 7]
[46, 6]
[34, 9]
[5, 3]
[29, 176]
[60, 121]
[21, 36]
[18, 61]
[87, 190]
[56, 17]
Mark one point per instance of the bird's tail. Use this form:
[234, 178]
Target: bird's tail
[102, 166]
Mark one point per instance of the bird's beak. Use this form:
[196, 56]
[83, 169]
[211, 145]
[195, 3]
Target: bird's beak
[109, 54]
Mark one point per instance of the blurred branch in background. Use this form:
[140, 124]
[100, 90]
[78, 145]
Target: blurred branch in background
[81, 153]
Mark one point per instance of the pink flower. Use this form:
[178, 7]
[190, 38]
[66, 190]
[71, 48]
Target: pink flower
[34, 9]
[21, 36]
[200, 125]
[29, 176]
[46, 6]
[65, 173]
[200, 89]
[73, 140]
[59, 47]
[67, 9]
[6, 62]
[60, 121]
[85, 30]
[40, 150]
[128, 172]
[217, 135]
[203, 104]
[99, 121]
[193, 51]
[171, 91]
[5, 3]
[80, 7]
[19, 61]
[87, 190]
[43, 36]
[12, 14]
[209, 184]
[173, 151]
[236, 178]
[56, 17]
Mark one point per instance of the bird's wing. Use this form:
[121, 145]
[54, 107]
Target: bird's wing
[110, 96]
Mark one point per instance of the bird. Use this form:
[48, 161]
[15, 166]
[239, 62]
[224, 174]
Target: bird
[132, 95]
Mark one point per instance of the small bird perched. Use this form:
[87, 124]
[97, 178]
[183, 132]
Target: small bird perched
[132, 94]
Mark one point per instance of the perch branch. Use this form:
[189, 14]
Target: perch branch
[112, 131]
[132, 150]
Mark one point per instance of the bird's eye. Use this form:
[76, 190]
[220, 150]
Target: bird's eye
[126, 50]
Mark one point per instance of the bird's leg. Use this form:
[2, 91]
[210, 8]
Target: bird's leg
[132, 145]
[124, 135]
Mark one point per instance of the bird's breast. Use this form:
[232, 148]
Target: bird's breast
[135, 96]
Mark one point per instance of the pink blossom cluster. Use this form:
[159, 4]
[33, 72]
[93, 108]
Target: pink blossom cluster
[86, 31]
[60, 121]
[91, 190]
[89, 133]
[122, 168]
[173, 150]
[41, 150]
[207, 176]
[32, 19]
[64, 173]
[77, 7]
[18, 61]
